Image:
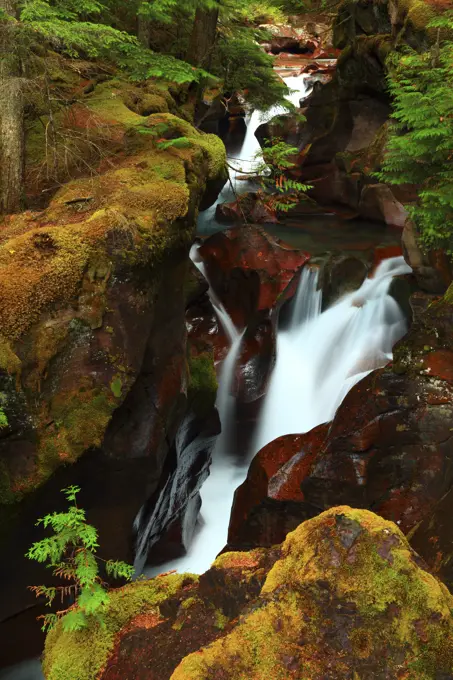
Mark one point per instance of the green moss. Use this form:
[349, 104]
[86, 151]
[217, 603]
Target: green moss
[117, 387]
[8, 360]
[338, 576]
[107, 102]
[202, 388]
[211, 145]
[220, 619]
[79, 423]
[80, 655]
[418, 12]
[61, 263]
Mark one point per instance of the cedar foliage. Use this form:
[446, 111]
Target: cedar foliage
[274, 164]
[81, 28]
[71, 554]
[420, 148]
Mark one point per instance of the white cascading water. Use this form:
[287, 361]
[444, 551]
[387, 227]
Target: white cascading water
[322, 355]
[244, 158]
[225, 474]
[308, 300]
[218, 490]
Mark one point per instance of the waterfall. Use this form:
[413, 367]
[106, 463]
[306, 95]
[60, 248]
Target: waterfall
[218, 490]
[243, 158]
[308, 300]
[321, 356]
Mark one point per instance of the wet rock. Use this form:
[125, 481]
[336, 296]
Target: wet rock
[196, 286]
[256, 360]
[250, 208]
[377, 202]
[248, 270]
[342, 274]
[329, 599]
[388, 448]
[166, 524]
[256, 519]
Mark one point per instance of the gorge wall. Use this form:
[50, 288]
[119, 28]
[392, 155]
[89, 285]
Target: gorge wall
[96, 376]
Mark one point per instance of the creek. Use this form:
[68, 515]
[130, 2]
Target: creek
[320, 354]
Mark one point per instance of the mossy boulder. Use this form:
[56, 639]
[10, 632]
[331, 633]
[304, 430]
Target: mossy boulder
[344, 596]
[58, 268]
[93, 357]
[151, 625]
[348, 598]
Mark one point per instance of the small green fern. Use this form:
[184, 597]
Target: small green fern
[71, 553]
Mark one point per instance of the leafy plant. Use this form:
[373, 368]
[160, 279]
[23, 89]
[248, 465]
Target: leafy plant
[274, 161]
[80, 28]
[71, 553]
[420, 148]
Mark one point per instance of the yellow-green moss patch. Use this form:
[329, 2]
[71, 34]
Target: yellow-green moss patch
[202, 388]
[80, 655]
[347, 595]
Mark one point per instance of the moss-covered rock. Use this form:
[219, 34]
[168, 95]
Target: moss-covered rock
[57, 268]
[93, 356]
[343, 597]
[348, 598]
[81, 655]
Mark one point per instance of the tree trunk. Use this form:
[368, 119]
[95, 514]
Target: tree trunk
[144, 31]
[12, 150]
[13, 144]
[10, 7]
[203, 37]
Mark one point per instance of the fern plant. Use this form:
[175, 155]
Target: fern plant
[420, 148]
[273, 163]
[71, 554]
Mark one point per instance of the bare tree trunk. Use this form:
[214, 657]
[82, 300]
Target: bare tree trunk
[144, 30]
[12, 149]
[12, 144]
[203, 37]
[10, 7]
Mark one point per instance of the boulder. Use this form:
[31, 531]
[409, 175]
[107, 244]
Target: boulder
[377, 202]
[93, 366]
[342, 274]
[248, 270]
[256, 359]
[343, 596]
[288, 38]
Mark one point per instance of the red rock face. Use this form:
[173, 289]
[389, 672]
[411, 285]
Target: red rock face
[389, 449]
[275, 475]
[249, 270]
